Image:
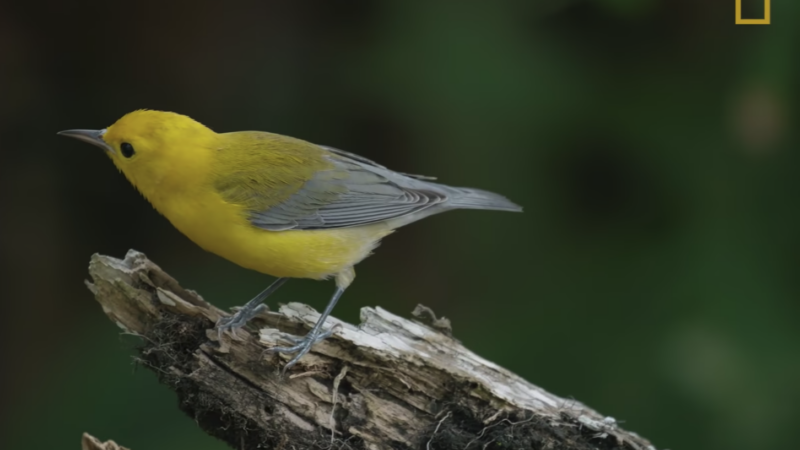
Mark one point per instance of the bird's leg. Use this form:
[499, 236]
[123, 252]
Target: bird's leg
[249, 310]
[303, 345]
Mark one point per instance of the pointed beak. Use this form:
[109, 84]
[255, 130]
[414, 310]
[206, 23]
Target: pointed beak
[94, 137]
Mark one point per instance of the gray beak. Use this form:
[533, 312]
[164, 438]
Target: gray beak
[94, 137]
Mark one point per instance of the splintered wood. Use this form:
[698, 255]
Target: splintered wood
[89, 442]
[387, 383]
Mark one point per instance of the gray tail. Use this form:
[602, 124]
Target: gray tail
[468, 198]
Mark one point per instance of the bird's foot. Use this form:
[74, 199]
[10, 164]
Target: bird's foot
[302, 345]
[238, 320]
[248, 311]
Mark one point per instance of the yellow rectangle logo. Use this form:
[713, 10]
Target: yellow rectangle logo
[740, 21]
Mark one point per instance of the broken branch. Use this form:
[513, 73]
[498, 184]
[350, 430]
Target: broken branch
[388, 383]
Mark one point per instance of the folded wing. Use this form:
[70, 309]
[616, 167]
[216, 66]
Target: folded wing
[354, 191]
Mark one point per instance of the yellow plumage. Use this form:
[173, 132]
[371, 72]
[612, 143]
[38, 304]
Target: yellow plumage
[271, 203]
[183, 165]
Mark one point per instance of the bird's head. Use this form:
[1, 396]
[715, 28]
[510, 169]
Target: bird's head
[152, 147]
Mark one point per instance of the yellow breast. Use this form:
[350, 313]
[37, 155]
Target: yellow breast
[223, 229]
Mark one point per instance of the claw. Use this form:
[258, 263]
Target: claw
[248, 311]
[302, 345]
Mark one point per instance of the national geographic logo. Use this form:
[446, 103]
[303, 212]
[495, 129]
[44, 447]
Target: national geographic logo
[740, 21]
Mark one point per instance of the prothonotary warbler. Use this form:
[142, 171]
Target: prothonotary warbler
[275, 204]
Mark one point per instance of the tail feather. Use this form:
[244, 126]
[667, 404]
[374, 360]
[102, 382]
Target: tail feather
[459, 198]
[468, 198]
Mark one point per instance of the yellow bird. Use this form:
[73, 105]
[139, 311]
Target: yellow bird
[275, 204]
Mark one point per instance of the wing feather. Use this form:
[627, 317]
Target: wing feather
[356, 191]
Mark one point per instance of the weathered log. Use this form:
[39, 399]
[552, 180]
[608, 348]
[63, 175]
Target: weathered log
[389, 383]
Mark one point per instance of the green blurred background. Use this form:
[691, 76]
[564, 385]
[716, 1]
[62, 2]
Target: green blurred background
[652, 143]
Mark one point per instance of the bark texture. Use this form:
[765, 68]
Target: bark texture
[388, 383]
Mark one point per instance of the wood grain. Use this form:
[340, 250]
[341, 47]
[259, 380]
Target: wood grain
[388, 383]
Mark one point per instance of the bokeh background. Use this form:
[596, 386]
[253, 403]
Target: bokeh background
[653, 144]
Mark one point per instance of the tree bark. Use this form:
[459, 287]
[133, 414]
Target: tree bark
[389, 383]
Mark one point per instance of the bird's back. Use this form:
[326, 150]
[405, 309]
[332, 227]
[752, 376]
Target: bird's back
[286, 183]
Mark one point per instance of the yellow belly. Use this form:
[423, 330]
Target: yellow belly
[223, 229]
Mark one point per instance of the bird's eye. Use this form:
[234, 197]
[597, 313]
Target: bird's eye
[127, 150]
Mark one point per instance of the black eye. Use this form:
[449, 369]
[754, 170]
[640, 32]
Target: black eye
[127, 150]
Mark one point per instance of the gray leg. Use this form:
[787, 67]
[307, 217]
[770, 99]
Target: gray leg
[249, 310]
[315, 335]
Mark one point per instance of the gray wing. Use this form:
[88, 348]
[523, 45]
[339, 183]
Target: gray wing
[356, 191]
[372, 163]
